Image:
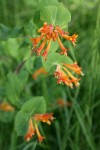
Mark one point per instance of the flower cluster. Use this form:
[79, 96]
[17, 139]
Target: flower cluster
[50, 33]
[33, 127]
[64, 75]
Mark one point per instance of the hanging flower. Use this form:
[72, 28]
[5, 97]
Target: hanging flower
[49, 33]
[64, 75]
[33, 127]
[38, 72]
[40, 137]
[30, 132]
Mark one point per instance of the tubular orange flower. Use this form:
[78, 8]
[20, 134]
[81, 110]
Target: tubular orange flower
[63, 74]
[71, 38]
[36, 40]
[73, 79]
[38, 50]
[31, 131]
[62, 77]
[40, 137]
[64, 50]
[38, 72]
[75, 68]
[45, 53]
[33, 127]
[6, 107]
[44, 118]
[51, 33]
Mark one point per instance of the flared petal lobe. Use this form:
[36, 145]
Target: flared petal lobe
[46, 118]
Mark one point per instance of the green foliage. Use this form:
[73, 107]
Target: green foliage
[6, 117]
[76, 127]
[21, 123]
[33, 106]
[48, 11]
[13, 89]
[6, 32]
[55, 59]
[50, 14]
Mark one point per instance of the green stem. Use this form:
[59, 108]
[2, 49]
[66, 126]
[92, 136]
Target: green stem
[45, 92]
[13, 140]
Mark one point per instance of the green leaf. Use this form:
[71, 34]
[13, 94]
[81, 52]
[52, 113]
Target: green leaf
[54, 46]
[6, 32]
[54, 59]
[35, 105]
[29, 29]
[23, 76]
[21, 123]
[44, 3]
[31, 107]
[29, 64]
[36, 19]
[13, 88]
[12, 47]
[56, 15]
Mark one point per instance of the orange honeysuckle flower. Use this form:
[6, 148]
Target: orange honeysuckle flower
[33, 127]
[45, 53]
[64, 76]
[36, 40]
[31, 131]
[71, 38]
[49, 33]
[38, 50]
[47, 118]
[40, 137]
[38, 72]
[64, 50]
[6, 107]
[75, 68]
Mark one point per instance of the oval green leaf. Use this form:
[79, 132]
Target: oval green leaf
[56, 15]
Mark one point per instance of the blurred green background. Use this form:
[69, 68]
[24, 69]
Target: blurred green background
[77, 127]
